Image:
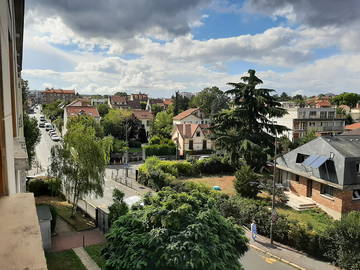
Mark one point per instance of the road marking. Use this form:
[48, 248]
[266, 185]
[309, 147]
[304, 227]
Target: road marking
[269, 260]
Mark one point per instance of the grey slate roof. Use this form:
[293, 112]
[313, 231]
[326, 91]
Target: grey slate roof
[348, 146]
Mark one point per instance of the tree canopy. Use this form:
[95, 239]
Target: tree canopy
[175, 231]
[122, 94]
[245, 132]
[32, 135]
[349, 99]
[211, 100]
[103, 109]
[163, 124]
[87, 121]
[121, 124]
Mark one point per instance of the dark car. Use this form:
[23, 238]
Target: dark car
[42, 125]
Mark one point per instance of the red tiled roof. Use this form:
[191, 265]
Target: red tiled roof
[188, 130]
[352, 132]
[59, 91]
[82, 101]
[353, 126]
[143, 115]
[167, 101]
[323, 103]
[156, 101]
[185, 113]
[118, 99]
[78, 110]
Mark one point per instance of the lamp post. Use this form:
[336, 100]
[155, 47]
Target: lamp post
[273, 189]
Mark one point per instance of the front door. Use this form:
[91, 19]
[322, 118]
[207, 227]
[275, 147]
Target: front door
[204, 144]
[309, 188]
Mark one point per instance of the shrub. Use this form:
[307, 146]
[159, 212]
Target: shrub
[213, 165]
[54, 186]
[119, 207]
[53, 220]
[246, 183]
[134, 143]
[39, 187]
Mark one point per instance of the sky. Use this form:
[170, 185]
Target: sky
[161, 46]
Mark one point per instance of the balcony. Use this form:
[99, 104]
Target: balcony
[21, 244]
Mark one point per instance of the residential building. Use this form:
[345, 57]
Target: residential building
[191, 137]
[139, 97]
[187, 94]
[352, 126]
[51, 95]
[287, 120]
[79, 107]
[324, 121]
[97, 101]
[326, 170]
[146, 118]
[118, 102]
[21, 244]
[191, 116]
[155, 101]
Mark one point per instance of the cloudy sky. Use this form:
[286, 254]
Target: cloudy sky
[160, 46]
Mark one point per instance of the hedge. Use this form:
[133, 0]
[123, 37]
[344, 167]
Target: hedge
[160, 150]
[50, 186]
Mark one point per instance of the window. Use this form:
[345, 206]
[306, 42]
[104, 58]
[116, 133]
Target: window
[297, 178]
[312, 113]
[356, 194]
[331, 114]
[311, 124]
[204, 144]
[191, 145]
[323, 115]
[198, 134]
[327, 190]
[148, 122]
[357, 166]
[301, 157]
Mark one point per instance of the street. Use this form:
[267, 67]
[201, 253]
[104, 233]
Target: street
[252, 260]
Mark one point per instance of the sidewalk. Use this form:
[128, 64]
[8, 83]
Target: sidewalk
[86, 260]
[287, 254]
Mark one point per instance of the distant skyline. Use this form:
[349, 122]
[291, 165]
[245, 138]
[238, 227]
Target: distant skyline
[161, 46]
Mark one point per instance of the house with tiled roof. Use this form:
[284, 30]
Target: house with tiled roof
[352, 126]
[118, 102]
[146, 118]
[51, 95]
[191, 116]
[164, 103]
[191, 137]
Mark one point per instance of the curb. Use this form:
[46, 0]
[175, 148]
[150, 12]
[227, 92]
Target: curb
[278, 258]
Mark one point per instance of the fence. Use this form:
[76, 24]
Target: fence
[88, 208]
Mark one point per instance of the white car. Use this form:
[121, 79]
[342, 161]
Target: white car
[48, 126]
[203, 157]
[52, 133]
[55, 138]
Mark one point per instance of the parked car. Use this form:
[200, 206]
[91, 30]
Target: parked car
[42, 118]
[52, 132]
[203, 157]
[48, 126]
[55, 138]
[41, 125]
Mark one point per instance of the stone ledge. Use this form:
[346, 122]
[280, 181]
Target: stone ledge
[21, 244]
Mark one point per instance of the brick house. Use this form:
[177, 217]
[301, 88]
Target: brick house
[326, 170]
[51, 95]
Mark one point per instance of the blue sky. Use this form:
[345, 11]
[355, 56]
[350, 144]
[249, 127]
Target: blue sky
[189, 45]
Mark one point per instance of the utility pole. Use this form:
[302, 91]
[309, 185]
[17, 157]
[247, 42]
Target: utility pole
[273, 191]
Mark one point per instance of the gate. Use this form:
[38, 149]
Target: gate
[102, 220]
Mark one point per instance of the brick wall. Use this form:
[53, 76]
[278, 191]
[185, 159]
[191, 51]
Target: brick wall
[299, 188]
[335, 203]
[348, 203]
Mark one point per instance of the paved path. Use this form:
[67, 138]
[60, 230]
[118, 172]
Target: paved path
[86, 259]
[287, 254]
[256, 260]
[71, 240]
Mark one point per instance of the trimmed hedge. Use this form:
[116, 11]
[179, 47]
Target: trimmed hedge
[50, 186]
[160, 150]
[199, 152]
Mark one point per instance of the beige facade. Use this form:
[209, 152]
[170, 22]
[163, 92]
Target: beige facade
[21, 245]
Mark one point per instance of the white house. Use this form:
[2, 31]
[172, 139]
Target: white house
[146, 118]
[191, 137]
[191, 116]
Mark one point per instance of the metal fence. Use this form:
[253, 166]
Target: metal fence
[124, 176]
[88, 208]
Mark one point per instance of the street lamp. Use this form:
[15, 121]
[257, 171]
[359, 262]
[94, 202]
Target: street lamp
[273, 189]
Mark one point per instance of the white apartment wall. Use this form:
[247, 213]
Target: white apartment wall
[287, 121]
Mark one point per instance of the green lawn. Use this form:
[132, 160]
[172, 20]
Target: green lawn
[95, 253]
[64, 260]
[315, 218]
[63, 208]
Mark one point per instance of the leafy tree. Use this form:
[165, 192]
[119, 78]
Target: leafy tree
[121, 124]
[247, 182]
[120, 146]
[344, 242]
[163, 124]
[181, 103]
[349, 99]
[119, 207]
[88, 121]
[284, 97]
[103, 109]
[245, 132]
[25, 93]
[309, 136]
[53, 110]
[298, 97]
[32, 135]
[121, 94]
[80, 162]
[156, 108]
[143, 105]
[211, 100]
[175, 231]
[59, 123]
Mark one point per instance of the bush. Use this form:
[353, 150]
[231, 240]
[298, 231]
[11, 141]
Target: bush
[246, 183]
[53, 220]
[54, 186]
[134, 143]
[160, 150]
[198, 152]
[213, 165]
[39, 187]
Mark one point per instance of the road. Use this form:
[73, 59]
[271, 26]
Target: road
[255, 260]
[252, 260]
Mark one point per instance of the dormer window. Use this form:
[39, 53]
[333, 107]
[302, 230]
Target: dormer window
[198, 134]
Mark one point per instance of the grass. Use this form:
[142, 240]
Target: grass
[315, 218]
[63, 208]
[225, 182]
[95, 253]
[64, 260]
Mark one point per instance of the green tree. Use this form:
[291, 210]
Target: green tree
[103, 109]
[119, 207]
[309, 136]
[53, 110]
[122, 94]
[349, 99]
[343, 243]
[284, 97]
[245, 132]
[120, 146]
[181, 103]
[87, 121]
[175, 231]
[247, 182]
[163, 124]
[211, 100]
[156, 108]
[80, 162]
[120, 124]
[32, 135]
